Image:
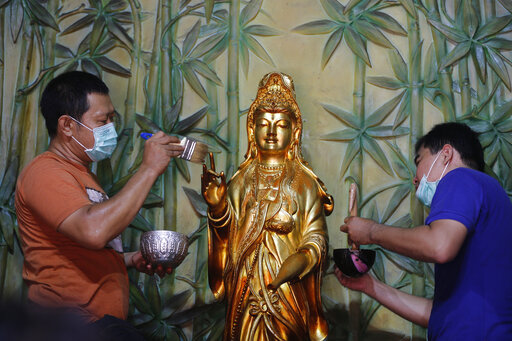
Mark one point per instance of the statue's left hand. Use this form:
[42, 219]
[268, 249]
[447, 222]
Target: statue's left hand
[291, 268]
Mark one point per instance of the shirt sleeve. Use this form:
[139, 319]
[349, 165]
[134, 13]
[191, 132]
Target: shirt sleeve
[458, 197]
[52, 195]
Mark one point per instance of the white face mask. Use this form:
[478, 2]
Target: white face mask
[105, 141]
[427, 189]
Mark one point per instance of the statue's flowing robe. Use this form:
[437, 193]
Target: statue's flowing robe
[245, 255]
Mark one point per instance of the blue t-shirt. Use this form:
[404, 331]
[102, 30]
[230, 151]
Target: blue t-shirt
[473, 292]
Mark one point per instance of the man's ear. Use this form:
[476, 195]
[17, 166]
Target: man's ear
[66, 126]
[448, 153]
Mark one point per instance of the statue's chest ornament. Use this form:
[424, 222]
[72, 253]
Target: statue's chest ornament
[267, 185]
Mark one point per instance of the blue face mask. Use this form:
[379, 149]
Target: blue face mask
[427, 189]
[105, 141]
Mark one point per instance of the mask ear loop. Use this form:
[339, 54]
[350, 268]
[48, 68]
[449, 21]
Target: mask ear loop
[433, 163]
[444, 170]
[83, 125]
[84, 147]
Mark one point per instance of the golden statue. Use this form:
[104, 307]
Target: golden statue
[267, 236]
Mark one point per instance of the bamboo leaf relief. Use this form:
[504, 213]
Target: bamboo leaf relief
[249, 12]
[40, 14]
[184, 126]
[357, 45]
[494, 26]
[193, 80]
[331, 45]
[111, 66]
[373, 34]
[334, 9]
[396, 199]
[386, 22]
[404, 110]
[182, 168]
[197, 201]
[505, 128]
[496, 63]
[207, 45]
[79, 24]
[384, 111]
[460, 51]
[344, 116]
[353, 149]
[491, 153]
[350, 5]
[261, 30]
[506, 152]
[7, 228]
[341, 136]
[409, 7]
[502, 113]
[204, 70]
[152, 200]
[386, 82]
[452, 34]
[171, 116]
[138, 299]
[191, 38]
[470, 18]
[119, 32]
[399, 66]
[256, 48]
[377, 154]
[500, 44]
[317, 27]
[387, 131]
[486, 139]
[16, 17]
[142, 224]
[152, 292]
[507, 4]
[404, 263]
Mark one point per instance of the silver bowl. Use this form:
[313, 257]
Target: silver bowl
[168, 248]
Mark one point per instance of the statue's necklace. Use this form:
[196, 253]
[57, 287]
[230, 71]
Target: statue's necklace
[268, 175]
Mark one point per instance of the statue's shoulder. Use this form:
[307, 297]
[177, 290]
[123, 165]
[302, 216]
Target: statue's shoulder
[238, 182]
[304, 178]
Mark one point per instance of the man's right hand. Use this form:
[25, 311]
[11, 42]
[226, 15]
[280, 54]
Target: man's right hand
[359, 230]
[158, 151]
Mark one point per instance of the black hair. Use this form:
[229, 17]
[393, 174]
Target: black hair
[66, 94]
[459, 136]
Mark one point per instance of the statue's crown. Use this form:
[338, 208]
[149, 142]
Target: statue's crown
[276, 91]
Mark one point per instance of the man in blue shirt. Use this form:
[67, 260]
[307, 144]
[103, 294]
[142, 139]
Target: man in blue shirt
[468, 234]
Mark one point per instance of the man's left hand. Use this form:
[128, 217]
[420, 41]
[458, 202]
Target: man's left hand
[136, 260]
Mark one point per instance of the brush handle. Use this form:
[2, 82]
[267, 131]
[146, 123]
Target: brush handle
[146, 136]
[352, 207]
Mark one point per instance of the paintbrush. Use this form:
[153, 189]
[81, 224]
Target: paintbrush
[195, 151]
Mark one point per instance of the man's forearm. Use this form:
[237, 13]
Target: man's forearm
[114, 215]
[413, 308]
[411, 242]
[95, 225]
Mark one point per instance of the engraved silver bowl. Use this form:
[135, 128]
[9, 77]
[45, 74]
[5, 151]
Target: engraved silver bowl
[168, 248]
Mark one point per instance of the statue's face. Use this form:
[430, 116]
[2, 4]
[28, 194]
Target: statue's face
[273, 131]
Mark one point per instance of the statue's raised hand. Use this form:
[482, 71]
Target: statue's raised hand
[214, 192]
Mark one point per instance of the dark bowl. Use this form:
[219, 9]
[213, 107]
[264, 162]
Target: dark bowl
[354, 263]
